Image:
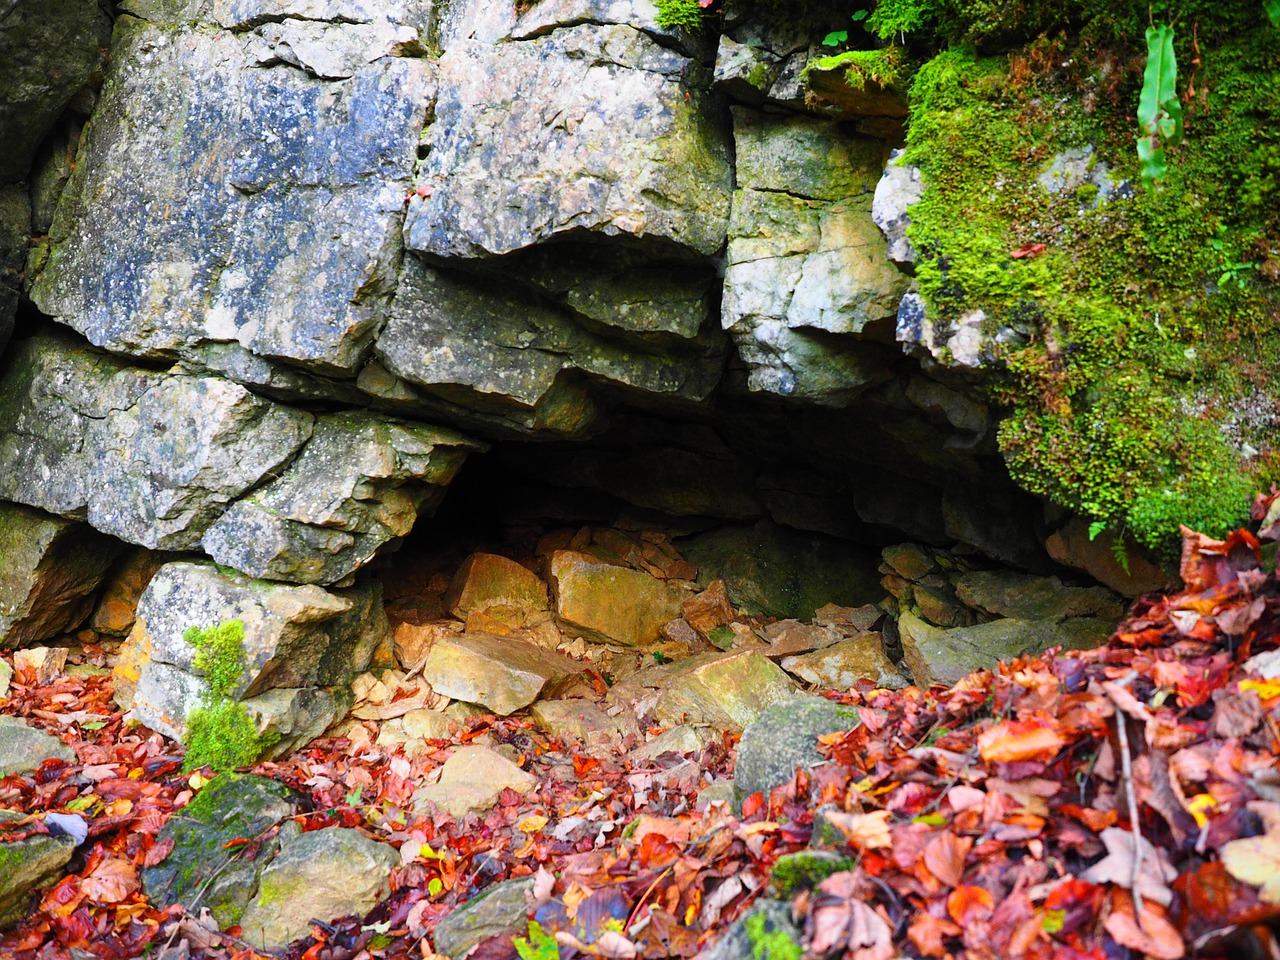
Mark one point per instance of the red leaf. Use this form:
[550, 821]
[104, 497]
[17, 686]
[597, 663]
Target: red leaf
[1028, 251]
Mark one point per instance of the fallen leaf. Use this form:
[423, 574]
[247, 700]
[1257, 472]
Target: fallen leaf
[868, 831]
[945, 856]
[1014, 740]
[1116, 867]
[1256, 860]
[968, 903]
[1153, 935]
[111, 881]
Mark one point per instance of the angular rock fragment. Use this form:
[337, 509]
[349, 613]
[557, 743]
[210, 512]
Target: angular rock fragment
[501, 908]
[24, 748]
[500, 673]
[842, 665]
[728, 691]
[323, 875]
[472, 780]
[609, 603]
[487, 580]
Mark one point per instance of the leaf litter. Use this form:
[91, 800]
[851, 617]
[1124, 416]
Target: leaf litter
[1123, 801]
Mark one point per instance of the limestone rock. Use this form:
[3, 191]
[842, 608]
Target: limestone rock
[609, 603]
[805, 258]
[223, 258]
[487, 580]
[323, 874]
[28, 866]
[51, 569]
[728, 691]
[840, 666]
[357, 485]
[501, 673]
[783, 738]
[1028, 597]
[502, 908]
[51, 48]
[946, 656]
[899, 187]
[681, 738]
[472, 780]
[775, 571]
[492, 353]
[147, 457]
[118, 605]
[295, 715]
[231, 806]
[24, 748]
[15, 228]
[597, 105]
[288, 632]
[413, 641]
[579, 719]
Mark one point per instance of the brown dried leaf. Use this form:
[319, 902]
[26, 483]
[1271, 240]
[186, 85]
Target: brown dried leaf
[111, 881]
[1117, 866]
[945, 857]
[1153, 936]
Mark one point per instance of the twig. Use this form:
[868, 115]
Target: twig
[1126, 768]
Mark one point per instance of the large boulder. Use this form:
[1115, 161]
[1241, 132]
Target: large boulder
[324, 874]
[264, 211]
[51, 568]
[150, 458]
[610, 603]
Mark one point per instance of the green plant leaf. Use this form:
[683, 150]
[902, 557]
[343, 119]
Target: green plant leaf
[1096, 528]
[539, 945]
[861, 15]
[1159, 110]
[835, 38]
[434, 886]
[1273, 11]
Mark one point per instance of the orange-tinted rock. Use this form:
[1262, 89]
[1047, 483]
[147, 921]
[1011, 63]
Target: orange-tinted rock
[412, 641]
[487, 580]
[1071, 547]
[118, 606]
[609, 603]
[709, 609]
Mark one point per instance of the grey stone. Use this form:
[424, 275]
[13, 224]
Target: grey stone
[1077, 167]
[27, 866]
[899, 188]
[15, 231]
[288, 630]
[805, 258]
[593, 126]
[287, 240]
[784, 738]
[323, 874]
[507, 358]
[150, 458]
[579, 719]
[1005, 594]
[24, 748]
[50, 571]
[231, 806]
[295, 716]
[50, 48]
[357, 485]
[502, 908]
[946, 656]
[681, 738]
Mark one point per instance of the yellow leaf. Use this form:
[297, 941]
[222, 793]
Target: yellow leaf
[532, 823]
[1197, 806]
[1267, 689]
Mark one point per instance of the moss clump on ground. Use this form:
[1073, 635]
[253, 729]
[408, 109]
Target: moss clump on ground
[769, 942]
[1140, 349]
[219, 732]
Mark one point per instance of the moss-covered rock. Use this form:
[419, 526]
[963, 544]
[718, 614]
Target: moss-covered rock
[29, 865]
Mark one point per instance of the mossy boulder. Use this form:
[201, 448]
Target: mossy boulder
[324, 874]
[27, 866]
[783, 739]
[232, 806]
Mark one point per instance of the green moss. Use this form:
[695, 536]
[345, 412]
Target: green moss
[888, 67]
[804, 870]
[220, 733]
[680, 15]
[769, 942]
[1138, 360]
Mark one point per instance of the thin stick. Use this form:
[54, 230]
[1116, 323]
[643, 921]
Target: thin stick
[1126, 768]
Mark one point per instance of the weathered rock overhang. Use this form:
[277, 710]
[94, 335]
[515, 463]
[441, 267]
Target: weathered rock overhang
[313, 256]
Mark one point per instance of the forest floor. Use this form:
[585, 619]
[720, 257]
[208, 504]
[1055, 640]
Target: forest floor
[1123, 801]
